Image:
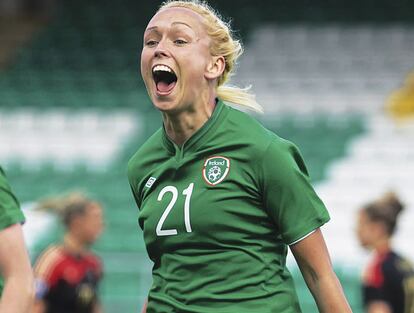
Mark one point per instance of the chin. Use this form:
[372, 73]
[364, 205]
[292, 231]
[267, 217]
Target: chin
[366, 246]
[163, 106]
[166, 106]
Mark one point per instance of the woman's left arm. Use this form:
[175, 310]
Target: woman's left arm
[15, 267]
[97, 308]
[313, 259]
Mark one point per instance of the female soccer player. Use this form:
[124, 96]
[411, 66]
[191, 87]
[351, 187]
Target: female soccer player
[221, 198]
[388, 284]
[67, 275]
[15, 266]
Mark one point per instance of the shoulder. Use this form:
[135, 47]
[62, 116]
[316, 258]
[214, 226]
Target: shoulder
[250, 127]
[284, 152]
[263, 144]
[247, 123]
[2, 176]
[245, 128]
[395, 266]
[94, 260]
[146, 153]
[4, 185]
[148, 149]
[10, 212]
[48, 261]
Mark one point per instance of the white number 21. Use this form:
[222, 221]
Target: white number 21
[187, 193]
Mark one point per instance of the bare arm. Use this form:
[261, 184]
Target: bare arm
[379, 307]
[39, 306]
[144, 307]
[97, 308]
[15, 267]
[44, 264]
[313, 259]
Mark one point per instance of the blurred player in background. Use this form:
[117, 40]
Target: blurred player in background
[401, 102]
[67, 275]
[388, 282]
[17, 294]
[221, 198]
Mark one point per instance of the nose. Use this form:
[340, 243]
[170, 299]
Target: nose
[160, 53]
[161, 50]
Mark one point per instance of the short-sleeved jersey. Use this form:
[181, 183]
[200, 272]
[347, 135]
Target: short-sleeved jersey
[390, 278]
[10, 212]
[218, 213]
[66, 282]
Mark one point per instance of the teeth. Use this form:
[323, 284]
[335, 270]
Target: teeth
[162, 68]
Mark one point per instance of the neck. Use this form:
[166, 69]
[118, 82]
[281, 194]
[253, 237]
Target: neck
[383, 246]
[73, 244]
[181, 126]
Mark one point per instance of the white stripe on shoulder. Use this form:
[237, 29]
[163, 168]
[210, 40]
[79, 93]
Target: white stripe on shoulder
[47, 261]
[300, 239]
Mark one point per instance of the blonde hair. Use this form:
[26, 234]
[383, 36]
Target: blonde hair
[67, 207]
[223, 44]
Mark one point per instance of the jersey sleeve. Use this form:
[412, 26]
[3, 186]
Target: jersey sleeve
[373, 294]
[99, 268]
[10, 212]
[287, 193]
[374, 284]
[46, 271]
[133, 185]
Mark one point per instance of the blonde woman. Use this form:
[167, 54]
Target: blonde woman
[221, 198]
[67, 275]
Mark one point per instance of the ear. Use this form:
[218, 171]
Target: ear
[215, 68]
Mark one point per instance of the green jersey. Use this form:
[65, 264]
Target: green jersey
[10, 212]
[218, 214]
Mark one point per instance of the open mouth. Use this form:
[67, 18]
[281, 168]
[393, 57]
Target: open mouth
[164, 78]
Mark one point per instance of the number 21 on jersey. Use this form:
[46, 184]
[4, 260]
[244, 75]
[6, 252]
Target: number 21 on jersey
[174, 191]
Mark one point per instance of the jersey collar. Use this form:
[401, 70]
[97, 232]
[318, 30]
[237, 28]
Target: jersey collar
[195, 141]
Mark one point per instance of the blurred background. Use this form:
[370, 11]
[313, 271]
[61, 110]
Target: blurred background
[73, 109]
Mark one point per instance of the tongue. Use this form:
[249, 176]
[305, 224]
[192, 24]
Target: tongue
[164, 87]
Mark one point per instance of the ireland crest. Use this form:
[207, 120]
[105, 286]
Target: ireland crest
[215, 169]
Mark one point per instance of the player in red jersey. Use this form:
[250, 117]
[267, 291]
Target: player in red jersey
[388, 282]
[67, 275]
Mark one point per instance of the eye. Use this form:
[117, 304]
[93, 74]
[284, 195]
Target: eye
[151, 43]
[180, 42]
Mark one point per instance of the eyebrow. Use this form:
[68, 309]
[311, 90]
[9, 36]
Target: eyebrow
[182, 23]
[174, 23]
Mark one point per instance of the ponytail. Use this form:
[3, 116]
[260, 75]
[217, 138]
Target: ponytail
[67, 207]
[239, 96]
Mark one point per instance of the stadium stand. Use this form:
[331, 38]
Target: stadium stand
[327, 68]
[73, 109]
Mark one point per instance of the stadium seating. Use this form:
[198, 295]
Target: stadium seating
[329, 69]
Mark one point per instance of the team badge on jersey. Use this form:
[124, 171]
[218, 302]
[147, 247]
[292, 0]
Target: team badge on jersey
[216, 169]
